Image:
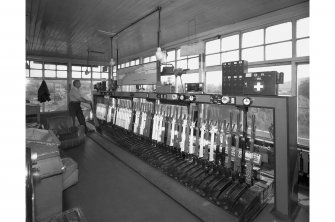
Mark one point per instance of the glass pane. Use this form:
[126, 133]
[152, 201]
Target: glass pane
[58, 95]
[32, 86]
[168, 80]
[303, 104]
[76, 75]
[263, 122]
[253, 54]
[171, 56]
[96, 75]
[137, 62]
[182, 64]
[132, 63]
[230, 43]
[49, 73]
[86, 89]
[180, 57]
[114, 69]
[27, 72]
[86, 76]
[229, 56]
[284, 89]
[278, 33]
[213, 60]
[153, 59]
[193, 63]
[76, 68]
[213, 46]
[190, 78]
[61, 74]
[278, 51]
[96, 68]
[104, 75]
[35, 65]
[303, 47]
[214, 82]
[35, 73]
[303, 27]
[119, 67]
[61, 67]
[146, 60]
[127, 64]
[50, 66]
[253, 38]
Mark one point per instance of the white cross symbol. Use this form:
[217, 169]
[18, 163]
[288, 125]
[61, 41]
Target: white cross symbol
[259, 86]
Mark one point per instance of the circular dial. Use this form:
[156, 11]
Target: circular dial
[225, 99]
[182, 97]
[191, 98]
[246, 101]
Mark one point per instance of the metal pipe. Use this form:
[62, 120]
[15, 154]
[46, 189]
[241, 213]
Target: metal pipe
[138, 20]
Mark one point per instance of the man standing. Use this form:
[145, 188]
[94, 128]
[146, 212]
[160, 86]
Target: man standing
[74, 106]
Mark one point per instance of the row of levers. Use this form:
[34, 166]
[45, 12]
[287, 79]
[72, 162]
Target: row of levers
[196, 144]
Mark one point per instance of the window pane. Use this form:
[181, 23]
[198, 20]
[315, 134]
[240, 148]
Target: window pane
[132, 63]
[96, 68]
[35, 65]
[58, 95]
[50, 73]
[193, 63]
[96, 75]
[303, 47]
[253, 54]
[61, 67]
[187, 78]
[76, 75]
[104, 75]
[86, 76]
[213, 46]
[171, 56]
[214, 82]
[153, 59]
[190, 78]
[50, 66]
[278, 51]
[32, 86]
[230, 43]
[137, 62]
[229, 56]
[35, 73]
[122, 65]
[278, 33]
[114, 69]
[182, 64]
[27, 72]
[253, 38]
[76, 68]
[127, 64]
[61, 74]
[303, 104]
[180, 57]
[303, 27]
[213, 60]
[168, 80]
[146, 60]
[284, 89]
[119, 67]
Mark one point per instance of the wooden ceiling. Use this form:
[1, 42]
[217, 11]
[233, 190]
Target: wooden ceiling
[68, 28]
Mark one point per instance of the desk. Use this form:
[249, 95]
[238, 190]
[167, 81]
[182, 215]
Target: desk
[33, 109]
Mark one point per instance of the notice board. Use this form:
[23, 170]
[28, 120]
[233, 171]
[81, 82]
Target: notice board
[144, 74]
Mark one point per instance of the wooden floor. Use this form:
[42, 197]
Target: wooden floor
[108, 190]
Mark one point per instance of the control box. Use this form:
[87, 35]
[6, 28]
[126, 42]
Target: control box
[263, 83]
[233, 74]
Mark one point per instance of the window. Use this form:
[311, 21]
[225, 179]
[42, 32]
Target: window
[32, 86]
[214, 82]
[253, 54]
[253, 38]
[284, 89]
[278, 33]
[212, 46]
[171, 56]
[146, 60]
[187, 78]
[303, 37]
[303, 104]
[186, 62]
[36, 69]
[58, 95]
[281, 35]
